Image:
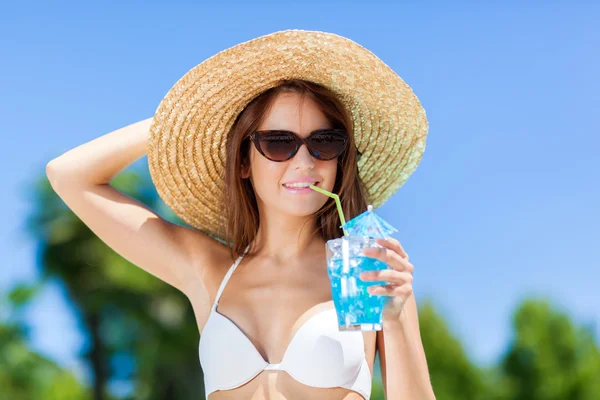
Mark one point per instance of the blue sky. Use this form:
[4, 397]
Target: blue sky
[504, 203]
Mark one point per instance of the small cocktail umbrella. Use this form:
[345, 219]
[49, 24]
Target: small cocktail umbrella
[369, 224]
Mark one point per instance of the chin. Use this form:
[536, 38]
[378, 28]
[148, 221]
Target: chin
[301, 210]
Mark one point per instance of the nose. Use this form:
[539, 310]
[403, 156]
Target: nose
[303, 159]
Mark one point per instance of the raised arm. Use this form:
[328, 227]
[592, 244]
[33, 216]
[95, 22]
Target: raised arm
[82, 176]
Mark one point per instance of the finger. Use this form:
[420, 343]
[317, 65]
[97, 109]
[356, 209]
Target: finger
[383, 290]
[391, 290]
[389, 275]
[393, 244]
[390, 257]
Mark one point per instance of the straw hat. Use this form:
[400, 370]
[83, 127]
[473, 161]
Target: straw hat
[186, 146]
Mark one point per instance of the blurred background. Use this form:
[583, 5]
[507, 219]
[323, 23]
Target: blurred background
[500, 218]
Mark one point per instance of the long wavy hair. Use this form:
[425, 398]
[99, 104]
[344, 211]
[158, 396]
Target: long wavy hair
[239, 201]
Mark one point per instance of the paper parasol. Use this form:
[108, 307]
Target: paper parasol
[369, 224]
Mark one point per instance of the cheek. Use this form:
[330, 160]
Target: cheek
[266, 174]
[329, 172]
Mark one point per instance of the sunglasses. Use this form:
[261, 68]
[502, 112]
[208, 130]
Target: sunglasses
[279, 145]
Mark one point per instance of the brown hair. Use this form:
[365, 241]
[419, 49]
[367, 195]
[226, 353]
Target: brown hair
[239, 200]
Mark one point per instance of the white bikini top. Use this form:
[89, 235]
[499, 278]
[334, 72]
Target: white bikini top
[319, 355]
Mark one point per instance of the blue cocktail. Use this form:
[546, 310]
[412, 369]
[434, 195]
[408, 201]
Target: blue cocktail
[356, 308]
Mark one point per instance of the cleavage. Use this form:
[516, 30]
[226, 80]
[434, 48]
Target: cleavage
[256, 336]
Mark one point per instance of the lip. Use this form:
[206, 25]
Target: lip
[301, 190]
[303, 179]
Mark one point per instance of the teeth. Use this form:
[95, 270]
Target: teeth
[299, 184]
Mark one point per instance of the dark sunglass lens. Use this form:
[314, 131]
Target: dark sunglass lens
[328, 144]
[278, 146]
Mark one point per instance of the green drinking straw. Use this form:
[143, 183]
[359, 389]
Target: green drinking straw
[337, 203]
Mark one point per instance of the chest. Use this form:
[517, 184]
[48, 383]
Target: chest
[270, 308]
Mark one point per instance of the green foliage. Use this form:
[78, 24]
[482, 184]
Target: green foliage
[25, 375]
[22, 293]
[377, 392]
[453, 375]
[550, 358]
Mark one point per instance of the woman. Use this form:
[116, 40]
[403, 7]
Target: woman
[231, 149]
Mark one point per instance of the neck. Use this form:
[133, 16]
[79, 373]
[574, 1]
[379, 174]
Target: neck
[286, 239]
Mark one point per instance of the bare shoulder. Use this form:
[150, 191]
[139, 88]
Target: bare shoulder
[209, 262]
[208, 256]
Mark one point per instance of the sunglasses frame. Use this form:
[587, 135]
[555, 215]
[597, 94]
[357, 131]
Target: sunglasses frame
[255, 138]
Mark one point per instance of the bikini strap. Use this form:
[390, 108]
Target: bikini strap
[227, 276]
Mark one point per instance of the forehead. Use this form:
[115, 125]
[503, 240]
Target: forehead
[291, 112]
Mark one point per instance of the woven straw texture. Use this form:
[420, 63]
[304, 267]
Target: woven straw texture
[186, 146]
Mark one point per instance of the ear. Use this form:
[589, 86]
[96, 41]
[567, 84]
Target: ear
[245, 173]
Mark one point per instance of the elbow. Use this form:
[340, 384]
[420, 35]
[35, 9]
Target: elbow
[51, 170]
[57, 175]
